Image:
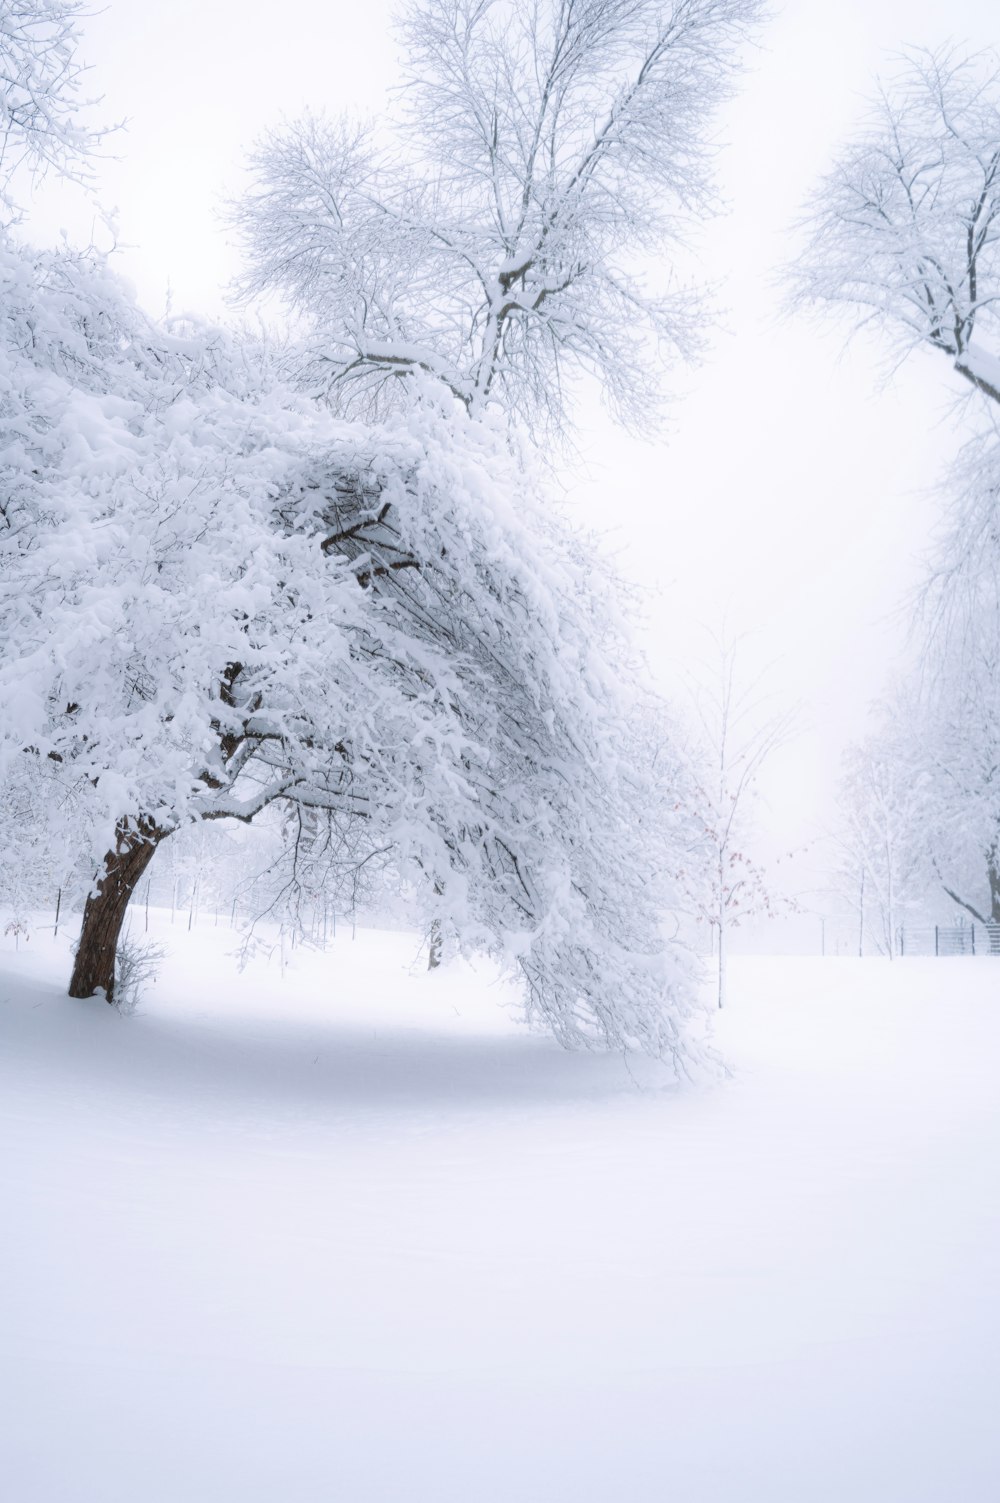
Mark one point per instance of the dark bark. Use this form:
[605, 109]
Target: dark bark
[435, 948]
[979, 382]
[104, 912]
[979, 917]
[992, 922]
[993, 877]
[436, 945]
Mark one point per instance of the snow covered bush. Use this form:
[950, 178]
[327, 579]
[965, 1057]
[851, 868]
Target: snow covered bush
[137, 964]
[218, 598]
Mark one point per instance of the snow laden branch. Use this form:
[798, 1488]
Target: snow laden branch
[217, 599]
[553, 151]
[41, 98]
[906, 227]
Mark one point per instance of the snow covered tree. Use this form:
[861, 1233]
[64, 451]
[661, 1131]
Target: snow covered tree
[218, 598]
[920, 797]
[558, 144]
[905, 229]
[955, 731]
[923, 793]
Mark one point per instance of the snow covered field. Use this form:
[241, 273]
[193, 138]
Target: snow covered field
[349, 1234]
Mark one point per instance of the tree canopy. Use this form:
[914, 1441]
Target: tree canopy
[500, 239]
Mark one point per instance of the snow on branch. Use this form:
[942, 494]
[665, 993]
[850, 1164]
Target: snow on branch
[41, 99]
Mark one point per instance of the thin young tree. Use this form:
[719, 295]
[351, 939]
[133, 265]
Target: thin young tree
[735, 735]
[553, 151]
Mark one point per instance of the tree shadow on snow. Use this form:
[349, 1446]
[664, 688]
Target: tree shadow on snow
[292, 1065]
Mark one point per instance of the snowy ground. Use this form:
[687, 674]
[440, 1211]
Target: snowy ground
[350, 1235]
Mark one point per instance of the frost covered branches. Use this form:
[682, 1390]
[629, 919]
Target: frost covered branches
[559, 143]
[906, 228]
[40, 90]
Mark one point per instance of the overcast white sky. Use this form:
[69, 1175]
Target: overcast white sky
[788, 495]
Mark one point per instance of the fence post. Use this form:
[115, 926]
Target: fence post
[935, 939]
[973, 939]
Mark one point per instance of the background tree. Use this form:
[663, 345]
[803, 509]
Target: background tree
[920, 797]
[883, 836]
[550, 147]
[905, 229]
[951, 728]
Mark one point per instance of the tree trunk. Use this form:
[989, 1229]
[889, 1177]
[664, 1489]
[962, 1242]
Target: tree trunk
[104, 912]
[993, 877]
[435, 946]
